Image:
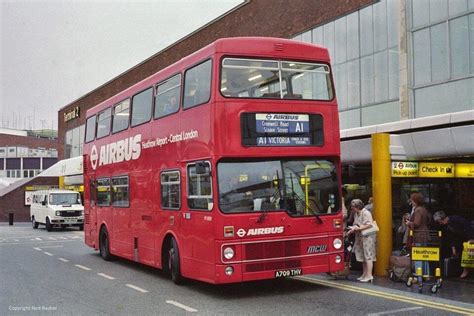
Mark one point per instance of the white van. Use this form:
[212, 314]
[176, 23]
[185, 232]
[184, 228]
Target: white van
[57, 208]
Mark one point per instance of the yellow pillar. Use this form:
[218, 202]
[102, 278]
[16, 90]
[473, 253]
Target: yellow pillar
[382, 194]
[61, 182]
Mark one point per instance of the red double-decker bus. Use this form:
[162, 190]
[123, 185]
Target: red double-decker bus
[224, 167]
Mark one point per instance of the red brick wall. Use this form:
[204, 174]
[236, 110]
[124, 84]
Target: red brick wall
[27, 141]
[275, 18]
[15, 200]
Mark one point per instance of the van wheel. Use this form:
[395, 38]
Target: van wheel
[174, 263]
[49, 227]
[104, 245]
[81, 227]
[34, 223]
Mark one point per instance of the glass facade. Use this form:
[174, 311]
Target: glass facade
[364, 50]
[74, 142]
[441, 34]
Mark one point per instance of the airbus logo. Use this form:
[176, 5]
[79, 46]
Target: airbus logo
[260, 231]
[123, 150]
[94, 157]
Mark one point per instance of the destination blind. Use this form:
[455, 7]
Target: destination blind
[281, 129]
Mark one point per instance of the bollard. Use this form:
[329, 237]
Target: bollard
[10, 219]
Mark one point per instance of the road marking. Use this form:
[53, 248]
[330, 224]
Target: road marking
[186, 308]
[47, 253]
[82, 267]
[52, 247]
[139, 289]
[402, 310]
[36, 239]
[106, 276]
[390, 296]
[36, 248]
[63, 260]
[52, 238]
[15, 240]
[36, 242]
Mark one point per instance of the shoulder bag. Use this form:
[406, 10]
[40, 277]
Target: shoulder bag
[371, 230]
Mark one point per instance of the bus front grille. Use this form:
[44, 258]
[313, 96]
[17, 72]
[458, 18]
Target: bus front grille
[275, 249]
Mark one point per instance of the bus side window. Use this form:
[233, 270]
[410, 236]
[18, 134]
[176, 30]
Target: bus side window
[141, 107]
[197, 84]
[200, 186]
[103, 192]
[103, 123]
[170, 190]
[120, 191]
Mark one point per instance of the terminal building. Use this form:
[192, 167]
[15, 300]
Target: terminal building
[404, 68]
[24, 156]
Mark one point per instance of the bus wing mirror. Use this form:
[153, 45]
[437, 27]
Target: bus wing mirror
[43, 202]
[201, 167]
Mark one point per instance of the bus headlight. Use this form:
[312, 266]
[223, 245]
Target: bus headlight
[338, 259]
[229, 270]
[337, 243]
[58, 213]
[228, 253]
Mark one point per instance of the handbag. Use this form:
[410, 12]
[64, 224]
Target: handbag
[371, 230]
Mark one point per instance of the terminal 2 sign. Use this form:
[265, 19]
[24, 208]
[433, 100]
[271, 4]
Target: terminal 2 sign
[413, 169]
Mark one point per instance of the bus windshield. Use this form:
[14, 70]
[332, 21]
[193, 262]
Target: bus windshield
[64, 198]
[252, 78]
[300, 187]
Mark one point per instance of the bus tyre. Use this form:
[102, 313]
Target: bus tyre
[49, 227]
[104, 245]
[174, 264]
[34, 223]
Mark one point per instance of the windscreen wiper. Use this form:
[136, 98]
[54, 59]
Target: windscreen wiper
[306, 206]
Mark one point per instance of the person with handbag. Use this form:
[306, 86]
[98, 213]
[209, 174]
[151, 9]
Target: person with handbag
[365, 230]
[460, 233]
[420, 222]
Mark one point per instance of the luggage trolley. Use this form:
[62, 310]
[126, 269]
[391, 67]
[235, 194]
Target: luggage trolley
[426, 249]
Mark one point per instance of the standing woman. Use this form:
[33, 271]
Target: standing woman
[419, 223]
[364, 246]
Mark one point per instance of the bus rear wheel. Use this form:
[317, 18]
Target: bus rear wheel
[34, 223]
[49, 227]
[104, 245]
[174, 263]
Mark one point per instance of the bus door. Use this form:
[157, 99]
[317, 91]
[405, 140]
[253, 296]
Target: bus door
[90, 216]
[197, 225]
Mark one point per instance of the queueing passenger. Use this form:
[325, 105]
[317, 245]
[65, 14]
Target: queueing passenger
[459, 232]
[419, 223]
[364, 246]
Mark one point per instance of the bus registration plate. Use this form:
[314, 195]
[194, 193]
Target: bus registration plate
[288, 273]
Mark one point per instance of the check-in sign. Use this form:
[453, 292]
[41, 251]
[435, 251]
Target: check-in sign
[436, 170]
[404, 169]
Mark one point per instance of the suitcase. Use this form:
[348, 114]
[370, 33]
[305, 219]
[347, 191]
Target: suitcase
[452, 267]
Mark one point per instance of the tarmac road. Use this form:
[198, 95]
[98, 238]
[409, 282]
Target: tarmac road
[56, 273]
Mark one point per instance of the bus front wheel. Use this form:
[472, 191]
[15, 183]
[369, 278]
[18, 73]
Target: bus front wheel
[104, 245]
[174, 263]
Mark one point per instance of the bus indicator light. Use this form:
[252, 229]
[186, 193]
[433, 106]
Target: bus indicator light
[228, 231]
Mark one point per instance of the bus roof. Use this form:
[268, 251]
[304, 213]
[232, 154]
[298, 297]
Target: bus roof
[248, 46]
